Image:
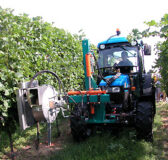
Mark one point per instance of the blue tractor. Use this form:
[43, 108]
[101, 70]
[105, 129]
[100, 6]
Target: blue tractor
[121, 94]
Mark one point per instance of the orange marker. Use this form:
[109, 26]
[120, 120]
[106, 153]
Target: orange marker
[91, 92]
[133, 88]
[88, 65]
[92, 109]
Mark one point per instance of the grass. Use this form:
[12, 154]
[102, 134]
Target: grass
[124, 147]
[160, 132]
[24, 138]
[107, 147]
[100, 147]
[20, 138]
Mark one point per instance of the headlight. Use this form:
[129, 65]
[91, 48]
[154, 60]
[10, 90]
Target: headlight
[115, 89]
[102, 46]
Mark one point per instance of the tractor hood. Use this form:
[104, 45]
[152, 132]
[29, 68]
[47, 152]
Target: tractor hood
[122, 80]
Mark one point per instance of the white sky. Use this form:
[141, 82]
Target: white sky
[98, 18]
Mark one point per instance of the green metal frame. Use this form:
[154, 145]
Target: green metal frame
[100, 100]
[86, 50]
[104, 98]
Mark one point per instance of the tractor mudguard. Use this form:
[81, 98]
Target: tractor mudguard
[148, 91]
[147, 85]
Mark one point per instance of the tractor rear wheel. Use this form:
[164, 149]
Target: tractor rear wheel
[79, 129]
[144, 120]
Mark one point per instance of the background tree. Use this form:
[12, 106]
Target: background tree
[159, 29]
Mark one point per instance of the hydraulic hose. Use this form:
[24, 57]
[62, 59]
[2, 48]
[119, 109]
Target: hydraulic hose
[97, 65]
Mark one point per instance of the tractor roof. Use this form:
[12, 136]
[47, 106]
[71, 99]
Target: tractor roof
[113, 40]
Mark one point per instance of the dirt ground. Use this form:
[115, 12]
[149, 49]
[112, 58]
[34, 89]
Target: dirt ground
[29, 152]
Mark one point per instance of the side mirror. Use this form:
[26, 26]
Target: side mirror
[147, 49]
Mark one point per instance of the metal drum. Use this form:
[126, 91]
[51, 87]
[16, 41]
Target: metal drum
[43, 100]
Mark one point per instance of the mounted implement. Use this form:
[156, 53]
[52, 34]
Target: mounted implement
[122, 94]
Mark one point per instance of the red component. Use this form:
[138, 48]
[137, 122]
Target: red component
[118, 32]
[114, 111]
[92, 109]
[90, 92]
[133, 88]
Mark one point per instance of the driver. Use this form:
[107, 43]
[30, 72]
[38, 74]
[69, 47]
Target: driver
[125, 61]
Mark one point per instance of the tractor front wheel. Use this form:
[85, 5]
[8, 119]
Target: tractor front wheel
[79, 129]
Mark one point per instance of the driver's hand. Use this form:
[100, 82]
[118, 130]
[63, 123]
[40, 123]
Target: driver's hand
[115, 65]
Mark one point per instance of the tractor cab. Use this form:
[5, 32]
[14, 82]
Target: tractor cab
[117, 54]
[118, 57]
[121, 66]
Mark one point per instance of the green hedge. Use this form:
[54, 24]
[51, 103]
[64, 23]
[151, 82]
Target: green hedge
[28, 45]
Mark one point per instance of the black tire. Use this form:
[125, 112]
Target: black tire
[79, 129]
[144, 121]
